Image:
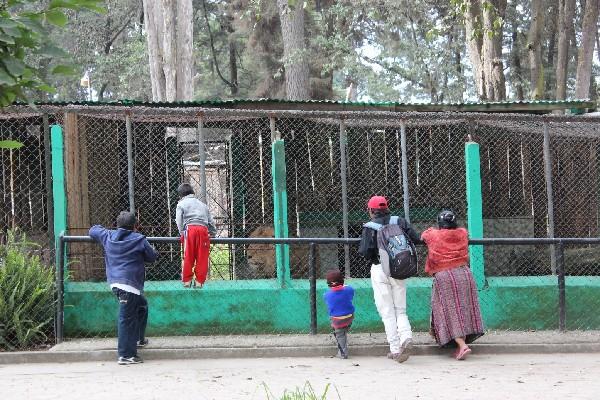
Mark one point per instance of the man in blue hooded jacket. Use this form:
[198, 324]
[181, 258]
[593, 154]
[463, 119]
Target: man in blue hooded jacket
[125, 252]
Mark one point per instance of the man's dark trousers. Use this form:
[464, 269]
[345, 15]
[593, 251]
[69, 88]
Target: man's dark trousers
[133, 317]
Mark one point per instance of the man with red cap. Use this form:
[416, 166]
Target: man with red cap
[389, 293]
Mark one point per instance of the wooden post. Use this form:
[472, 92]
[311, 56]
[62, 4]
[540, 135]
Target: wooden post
[76, 168]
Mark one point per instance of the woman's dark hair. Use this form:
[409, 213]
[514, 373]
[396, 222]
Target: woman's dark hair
[185, 189]
[447, 219]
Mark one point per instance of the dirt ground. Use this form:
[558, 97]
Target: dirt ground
[511, 376]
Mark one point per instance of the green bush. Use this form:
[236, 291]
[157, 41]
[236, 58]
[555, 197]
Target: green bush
[26, 295]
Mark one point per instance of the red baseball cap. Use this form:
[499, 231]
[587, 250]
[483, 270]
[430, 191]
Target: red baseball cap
[377, 202]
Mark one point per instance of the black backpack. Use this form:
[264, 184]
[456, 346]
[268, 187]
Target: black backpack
[397, 254]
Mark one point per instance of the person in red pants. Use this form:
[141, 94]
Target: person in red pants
[195, 226]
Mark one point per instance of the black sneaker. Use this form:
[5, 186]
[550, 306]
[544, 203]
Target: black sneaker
[130, 360]
[142, 343]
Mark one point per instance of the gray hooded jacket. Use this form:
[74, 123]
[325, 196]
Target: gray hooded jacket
[191, 211]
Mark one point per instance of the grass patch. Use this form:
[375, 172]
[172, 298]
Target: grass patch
[219, 262]
[307, 392]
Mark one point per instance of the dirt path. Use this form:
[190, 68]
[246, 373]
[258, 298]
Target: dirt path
[561, 376]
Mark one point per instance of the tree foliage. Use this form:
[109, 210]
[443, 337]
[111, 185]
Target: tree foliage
[384, 50]
[24, 29]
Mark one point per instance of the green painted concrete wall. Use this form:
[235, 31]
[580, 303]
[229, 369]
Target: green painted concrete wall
[261, 306]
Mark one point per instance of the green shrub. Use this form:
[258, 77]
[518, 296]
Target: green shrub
[26, 294]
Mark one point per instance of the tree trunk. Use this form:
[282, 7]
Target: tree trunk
[351, 90]
[169, 33]
[184, 50]
[233, 68]
[586, 51]
[474, 45]
[169, 49]
[549, 78]
[233, 71]
[153, 25]
[297, 82]
[566, 11]
[457, 59]
[515, 67]
[534, 47]
[493, 69]
[102, 90]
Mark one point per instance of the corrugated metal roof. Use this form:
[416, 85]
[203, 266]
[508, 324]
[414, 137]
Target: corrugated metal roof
[279, 104]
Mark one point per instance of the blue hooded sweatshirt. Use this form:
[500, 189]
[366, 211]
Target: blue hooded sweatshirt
[125, 253]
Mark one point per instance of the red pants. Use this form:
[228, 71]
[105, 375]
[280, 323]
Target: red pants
[196, 246]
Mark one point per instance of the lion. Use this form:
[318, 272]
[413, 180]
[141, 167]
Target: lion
[261, 256]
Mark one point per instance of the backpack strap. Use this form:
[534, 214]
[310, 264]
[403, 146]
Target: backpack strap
[373, 225]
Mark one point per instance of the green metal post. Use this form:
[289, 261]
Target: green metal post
[58, 183]
[280, 218]
[474, 210]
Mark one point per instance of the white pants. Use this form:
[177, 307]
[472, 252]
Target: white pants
[390, 299]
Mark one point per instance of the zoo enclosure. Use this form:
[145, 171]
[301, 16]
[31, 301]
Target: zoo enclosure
[539, 178]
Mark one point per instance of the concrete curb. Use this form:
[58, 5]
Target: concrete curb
[27, 357]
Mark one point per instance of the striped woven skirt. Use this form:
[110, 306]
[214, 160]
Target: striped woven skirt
[455, 307]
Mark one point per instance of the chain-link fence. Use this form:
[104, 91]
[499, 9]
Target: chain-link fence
[538, 177]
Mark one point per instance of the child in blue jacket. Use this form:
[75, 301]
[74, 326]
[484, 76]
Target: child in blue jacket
[125, 255]
[341, 310]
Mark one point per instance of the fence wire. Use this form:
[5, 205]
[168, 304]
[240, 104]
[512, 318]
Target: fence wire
[334, 162]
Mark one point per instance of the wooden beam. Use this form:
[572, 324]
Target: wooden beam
[78, 212]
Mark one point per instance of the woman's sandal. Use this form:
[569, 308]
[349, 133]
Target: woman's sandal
[461, 354]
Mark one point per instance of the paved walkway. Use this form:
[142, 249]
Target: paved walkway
[357, 339]
[490, 377]
[261, 346]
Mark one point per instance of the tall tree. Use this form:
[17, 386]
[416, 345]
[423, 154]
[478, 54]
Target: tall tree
[566, 12]
[297, 84]
[260, 22]
[483, 28]
[475, 44]
[586, 50]
[549, 42]
[169, 33]
[493, 67]
[534, 47]
[515, 63]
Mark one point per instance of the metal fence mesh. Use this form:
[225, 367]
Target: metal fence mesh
[334, 162]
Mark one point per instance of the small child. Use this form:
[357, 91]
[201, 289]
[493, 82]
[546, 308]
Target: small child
[195, 224]
[341, 310]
